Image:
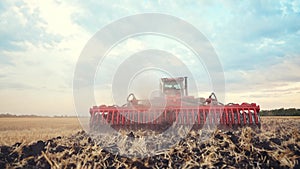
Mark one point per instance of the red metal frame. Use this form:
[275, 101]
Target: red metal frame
[234, 114]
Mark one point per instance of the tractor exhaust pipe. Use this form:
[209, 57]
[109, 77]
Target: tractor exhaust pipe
[185, 86]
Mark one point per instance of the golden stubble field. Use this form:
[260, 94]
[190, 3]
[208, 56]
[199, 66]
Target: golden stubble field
[26, 130]
[56, 143]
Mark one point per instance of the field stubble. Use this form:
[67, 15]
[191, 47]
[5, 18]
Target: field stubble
[26, 130]
[276, 145]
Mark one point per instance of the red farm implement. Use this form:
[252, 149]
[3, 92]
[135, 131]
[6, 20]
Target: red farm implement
[174, 107]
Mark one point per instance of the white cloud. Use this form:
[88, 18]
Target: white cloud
[296, 6]
[268, 42]
[43, 39]
[57, 16]
[43, 69]
[272, 87]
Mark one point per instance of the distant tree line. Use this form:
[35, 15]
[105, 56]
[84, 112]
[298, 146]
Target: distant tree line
[13, 115]
[281, 112]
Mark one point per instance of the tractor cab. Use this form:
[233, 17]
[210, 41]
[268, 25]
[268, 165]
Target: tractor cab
[174, 86]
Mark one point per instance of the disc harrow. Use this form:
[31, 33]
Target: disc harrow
[180, 109]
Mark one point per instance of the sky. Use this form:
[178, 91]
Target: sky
[257, 43]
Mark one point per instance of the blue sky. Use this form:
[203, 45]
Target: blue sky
[257, 43]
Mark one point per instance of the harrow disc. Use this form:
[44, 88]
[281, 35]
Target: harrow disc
[162, 118]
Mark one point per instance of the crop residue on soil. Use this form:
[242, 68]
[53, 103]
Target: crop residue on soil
[276, 145]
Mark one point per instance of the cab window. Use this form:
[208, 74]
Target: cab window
[172, 85]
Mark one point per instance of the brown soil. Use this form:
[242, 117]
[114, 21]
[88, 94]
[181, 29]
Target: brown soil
[276, 145]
